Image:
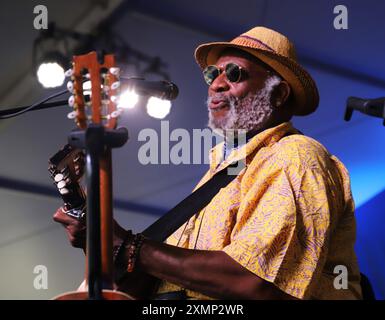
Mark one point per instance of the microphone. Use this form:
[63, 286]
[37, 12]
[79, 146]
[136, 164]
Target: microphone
[160, 89]
[371, 107]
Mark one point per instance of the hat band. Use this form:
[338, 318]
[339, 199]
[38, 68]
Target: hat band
[257, 41]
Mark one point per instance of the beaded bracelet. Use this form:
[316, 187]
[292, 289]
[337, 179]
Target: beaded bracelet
[118, 250]
[133, 251]
[133, 248]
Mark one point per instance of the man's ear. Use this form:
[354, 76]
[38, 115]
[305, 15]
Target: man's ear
[280, 94]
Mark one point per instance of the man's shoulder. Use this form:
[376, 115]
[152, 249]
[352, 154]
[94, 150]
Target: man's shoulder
[302, 144]
[298, 150]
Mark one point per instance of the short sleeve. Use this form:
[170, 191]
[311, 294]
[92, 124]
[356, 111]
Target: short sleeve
[282, 229]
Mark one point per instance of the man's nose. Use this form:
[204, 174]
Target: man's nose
[219, 84]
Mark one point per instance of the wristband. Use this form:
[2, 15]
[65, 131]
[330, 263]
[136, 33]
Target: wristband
[131, 243]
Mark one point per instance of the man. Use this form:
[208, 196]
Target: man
[278, 230]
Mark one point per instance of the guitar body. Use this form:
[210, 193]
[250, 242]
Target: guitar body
[83, 295]
[139, 285]
[135, 286]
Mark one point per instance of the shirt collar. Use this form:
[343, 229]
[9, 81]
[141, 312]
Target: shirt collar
[246, 151]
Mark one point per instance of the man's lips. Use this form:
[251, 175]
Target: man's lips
[216, 105]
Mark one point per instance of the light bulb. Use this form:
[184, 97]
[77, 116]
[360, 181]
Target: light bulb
[50, 75]
[128, 99]
[158, 108]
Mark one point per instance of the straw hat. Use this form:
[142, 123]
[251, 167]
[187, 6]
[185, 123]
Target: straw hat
[275, 50]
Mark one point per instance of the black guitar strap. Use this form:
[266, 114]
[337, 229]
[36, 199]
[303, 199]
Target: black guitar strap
[162, 228]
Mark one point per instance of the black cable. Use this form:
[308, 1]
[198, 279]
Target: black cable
[33, 106]
[46, 105]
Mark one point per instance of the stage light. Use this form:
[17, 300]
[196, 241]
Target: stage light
[128, 99]
[50, 71]
[50, 75]
[158, 108]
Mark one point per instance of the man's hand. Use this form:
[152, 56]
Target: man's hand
[75, 229]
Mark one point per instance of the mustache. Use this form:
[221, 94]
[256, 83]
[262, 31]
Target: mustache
[221, 96]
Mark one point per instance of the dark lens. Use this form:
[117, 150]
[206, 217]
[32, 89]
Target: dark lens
[210, 73]
[233, 72]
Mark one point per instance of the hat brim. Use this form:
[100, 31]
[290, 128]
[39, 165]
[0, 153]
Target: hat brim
[305, 92]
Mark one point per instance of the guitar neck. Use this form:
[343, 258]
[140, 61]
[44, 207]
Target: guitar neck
[106, 217]
[102, 228]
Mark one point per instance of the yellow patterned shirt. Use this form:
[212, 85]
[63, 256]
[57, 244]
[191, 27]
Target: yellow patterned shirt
[288, 216]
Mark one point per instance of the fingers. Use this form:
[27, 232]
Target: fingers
[75, 229]
[63, 218]
[77, 238]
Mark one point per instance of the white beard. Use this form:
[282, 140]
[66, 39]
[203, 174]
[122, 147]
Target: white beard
[247, 113]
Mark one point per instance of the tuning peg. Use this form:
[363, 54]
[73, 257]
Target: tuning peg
[68, 73]
[72, 115]
[116, 113]
[71, 101]
[115, 71]
[64, 191]
[70, 86]
[58, 177]
[115, 85]
[114, 99]
[61, 184]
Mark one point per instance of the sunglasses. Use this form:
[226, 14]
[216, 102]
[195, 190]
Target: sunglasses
[233, 73]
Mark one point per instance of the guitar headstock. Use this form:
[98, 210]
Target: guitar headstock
[66, 168]
[100, 105]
